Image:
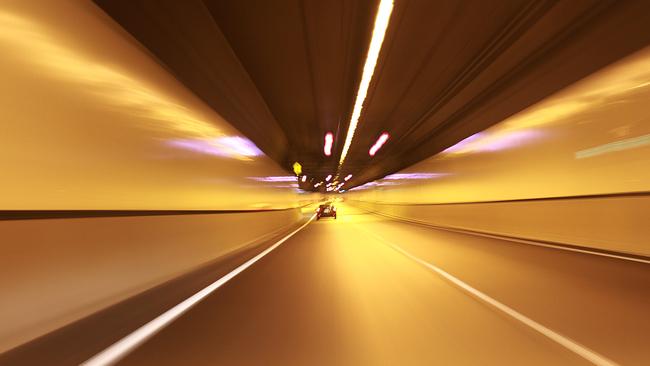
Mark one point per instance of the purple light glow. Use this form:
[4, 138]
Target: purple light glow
[483, 142]
[412, 176]
[386, 183]
[364, 186]
[463, 143]
[509, 140]
[280, 178]
[294, 185]
[227, 146]
[241, 145]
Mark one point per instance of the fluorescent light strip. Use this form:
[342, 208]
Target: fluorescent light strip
[380, 142]
[327, 148]
[378, 33]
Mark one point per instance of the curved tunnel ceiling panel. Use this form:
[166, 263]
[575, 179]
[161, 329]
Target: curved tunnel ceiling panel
[286, 72]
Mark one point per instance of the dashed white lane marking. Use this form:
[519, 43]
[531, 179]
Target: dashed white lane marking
[124, 346]
[566, 342]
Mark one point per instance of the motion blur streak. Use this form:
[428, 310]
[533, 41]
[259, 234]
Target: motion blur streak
[618, 87]
[525, 177]
[89, 119]
[590, 138]
[147, 147]
[378, 33]
[230, 146]
[92, 121]
[28, 38]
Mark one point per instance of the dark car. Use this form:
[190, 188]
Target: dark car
[326, 210]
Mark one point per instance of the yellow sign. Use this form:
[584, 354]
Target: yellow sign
[297, 168]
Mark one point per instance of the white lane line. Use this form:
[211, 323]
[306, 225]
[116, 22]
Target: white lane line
[568, 343]
[522, 241]
[121, 348]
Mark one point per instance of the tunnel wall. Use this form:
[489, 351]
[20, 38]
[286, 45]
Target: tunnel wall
[91, 121]
[608, 223]
[56, 271]
[572, 169]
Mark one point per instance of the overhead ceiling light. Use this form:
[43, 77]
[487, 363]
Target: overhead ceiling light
[378, 144]
[348, 177]
[304, 178]
[328, 177]
[327, 148]
[378, 33]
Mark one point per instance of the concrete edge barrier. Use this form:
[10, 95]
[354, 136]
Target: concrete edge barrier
[617, 224]
[57, 271]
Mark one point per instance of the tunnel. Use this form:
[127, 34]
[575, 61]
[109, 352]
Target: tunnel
[324, 182]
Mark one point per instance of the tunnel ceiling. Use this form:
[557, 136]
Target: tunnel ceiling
[285, 72]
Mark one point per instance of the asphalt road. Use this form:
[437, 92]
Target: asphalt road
[365, 290]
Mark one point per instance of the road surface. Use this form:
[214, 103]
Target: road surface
[354, 291]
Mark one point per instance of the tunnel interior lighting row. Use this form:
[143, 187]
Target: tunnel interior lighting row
[378, 33]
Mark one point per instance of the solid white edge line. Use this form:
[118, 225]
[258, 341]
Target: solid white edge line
[560, 247]
[515, 240]
[124, 346]
[568, 343]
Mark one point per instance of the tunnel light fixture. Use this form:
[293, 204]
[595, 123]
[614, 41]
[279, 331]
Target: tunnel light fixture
[297, 168]
[304, 178]
[329, 140]
[378, 33]
[378, 144]
[347, 178]
[328, 177]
